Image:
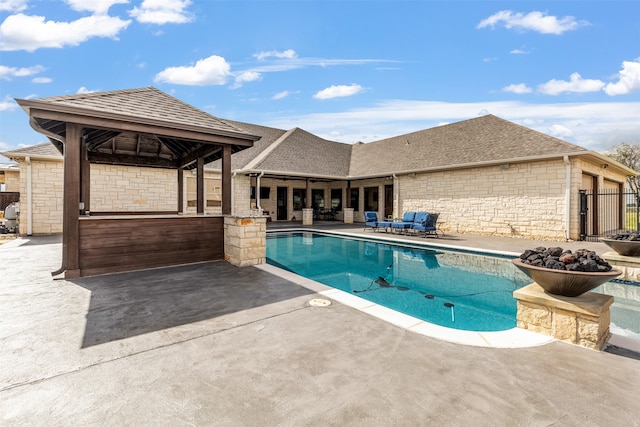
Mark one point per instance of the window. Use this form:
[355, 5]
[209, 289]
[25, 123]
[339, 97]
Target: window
[299, 199]
[317, 198]
[355, 198]
[371, 199]
[336, 199]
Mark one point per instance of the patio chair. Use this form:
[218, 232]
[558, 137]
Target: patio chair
[429, 227]
[370, 220]
[405, 224]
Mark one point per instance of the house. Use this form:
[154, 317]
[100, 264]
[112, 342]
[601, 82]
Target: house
[484, 175]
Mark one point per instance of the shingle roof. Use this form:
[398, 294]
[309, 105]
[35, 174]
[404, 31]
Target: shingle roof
[301, 152]
[144, 103]
[142, 127]
[47, 150]
[240, 159]
[479, 140]
[475, 141]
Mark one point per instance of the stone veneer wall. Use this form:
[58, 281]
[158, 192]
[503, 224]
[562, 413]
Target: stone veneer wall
[12, 180]
[245, 240]
[46, 197]
[582, 320]
[131, 189]
[520, 200]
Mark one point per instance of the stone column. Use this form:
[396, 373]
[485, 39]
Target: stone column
[307, 216]
[582, 320]
[245, 240]
[348, 215]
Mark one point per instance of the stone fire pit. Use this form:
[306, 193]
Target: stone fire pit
[625, 244]
[565, 273]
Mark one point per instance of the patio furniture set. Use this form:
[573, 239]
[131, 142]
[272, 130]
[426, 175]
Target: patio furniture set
[412, 223]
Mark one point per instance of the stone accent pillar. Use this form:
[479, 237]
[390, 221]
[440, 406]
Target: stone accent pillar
[629, 265]
[348, 215]
[582, 320]
[245, 240]
[307, 216]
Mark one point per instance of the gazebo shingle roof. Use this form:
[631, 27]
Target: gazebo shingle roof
[144, 103]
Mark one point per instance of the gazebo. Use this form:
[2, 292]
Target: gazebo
[137, 128]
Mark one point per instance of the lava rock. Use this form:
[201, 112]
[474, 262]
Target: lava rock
[627, 235]
[559, 259]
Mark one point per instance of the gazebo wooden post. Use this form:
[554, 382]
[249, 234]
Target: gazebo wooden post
[200, 185]
[349, 194]
[85, 178]
[71, 204]
[180, 190]
[226, 180]
[308, 206]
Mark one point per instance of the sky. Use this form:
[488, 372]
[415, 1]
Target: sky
[347, 71]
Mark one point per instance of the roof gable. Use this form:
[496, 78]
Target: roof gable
[303, 153]
[474, 141]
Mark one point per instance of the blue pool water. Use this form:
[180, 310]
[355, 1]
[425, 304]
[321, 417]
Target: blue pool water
[455, 289]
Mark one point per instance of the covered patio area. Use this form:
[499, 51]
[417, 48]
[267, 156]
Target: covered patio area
[135, 128]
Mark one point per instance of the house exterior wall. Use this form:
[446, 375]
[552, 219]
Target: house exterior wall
[525, 199]
[131, 189]
[11, 180]
[113, 188]
[46, 197]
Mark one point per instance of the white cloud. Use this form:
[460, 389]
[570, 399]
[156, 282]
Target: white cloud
[99, 7]
[7, 104]
[560, 131]
[83, 89]
[162, 12]
[489, 59]
[247, 76]
[41, 80]
[337, 91]
[213, 70]
[23, 32]
[518, 88]
[519, 52]
[576, 84]
[535, 21]
[287, 54]
[7, 73]
[629, 79]
[281, 95]
[13, 5]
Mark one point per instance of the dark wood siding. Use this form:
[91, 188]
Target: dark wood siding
[110, 245]
[8, 197]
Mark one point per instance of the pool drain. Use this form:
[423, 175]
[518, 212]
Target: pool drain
[319, 302]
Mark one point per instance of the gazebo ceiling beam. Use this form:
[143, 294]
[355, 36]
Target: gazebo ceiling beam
[132, 160]
[205, 150]
[114, 124]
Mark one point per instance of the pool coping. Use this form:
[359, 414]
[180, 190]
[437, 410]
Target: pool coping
[510, 338]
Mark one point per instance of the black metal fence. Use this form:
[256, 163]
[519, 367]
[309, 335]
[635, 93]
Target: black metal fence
[608, 212]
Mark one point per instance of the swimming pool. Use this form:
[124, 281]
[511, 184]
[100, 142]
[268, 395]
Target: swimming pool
[454, 289]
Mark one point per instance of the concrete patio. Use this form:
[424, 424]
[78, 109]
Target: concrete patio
[213, 344]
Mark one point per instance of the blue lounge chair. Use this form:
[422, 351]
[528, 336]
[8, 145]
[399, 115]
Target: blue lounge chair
[405, 224]
[426, 224]
[370, 220]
